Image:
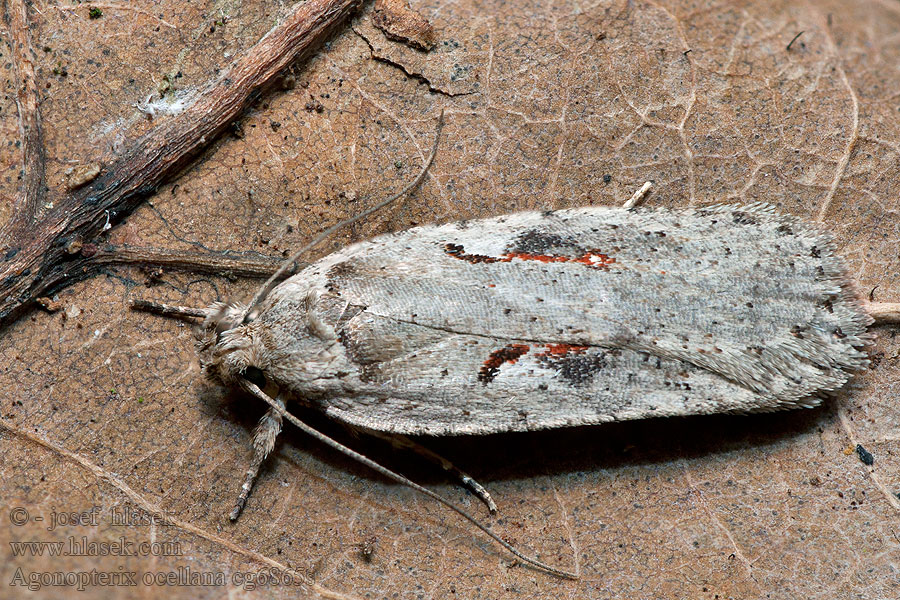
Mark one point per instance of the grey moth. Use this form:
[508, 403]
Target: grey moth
[551, 319]
[539, 320]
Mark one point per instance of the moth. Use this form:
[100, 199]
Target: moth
[538, 320]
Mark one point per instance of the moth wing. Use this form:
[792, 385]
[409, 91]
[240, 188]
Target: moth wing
[461, 384]
[752, 303]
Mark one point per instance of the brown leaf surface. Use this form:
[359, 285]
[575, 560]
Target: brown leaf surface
[548, 105]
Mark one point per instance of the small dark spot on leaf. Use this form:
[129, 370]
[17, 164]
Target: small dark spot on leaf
[864, 455]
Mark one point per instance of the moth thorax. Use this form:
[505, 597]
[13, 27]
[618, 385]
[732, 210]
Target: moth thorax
[221, 316]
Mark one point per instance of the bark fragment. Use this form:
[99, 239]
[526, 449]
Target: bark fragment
[402, 24]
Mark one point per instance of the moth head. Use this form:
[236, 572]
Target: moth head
[227, 347]
[286, 339]
[229, 343]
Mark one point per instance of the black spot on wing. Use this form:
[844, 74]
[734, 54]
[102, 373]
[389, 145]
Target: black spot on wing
[743, 218]
[534, 241]
[575, 364]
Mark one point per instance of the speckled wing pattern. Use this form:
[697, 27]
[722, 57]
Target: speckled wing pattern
[538, 320]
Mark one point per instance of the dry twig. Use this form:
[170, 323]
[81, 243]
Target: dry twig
[42, 249]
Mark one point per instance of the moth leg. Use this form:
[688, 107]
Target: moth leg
[404, 443]
[263, 441]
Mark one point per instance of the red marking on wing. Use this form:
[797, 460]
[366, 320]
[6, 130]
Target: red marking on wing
[563, 349]
[603, 261]
[593, 259]
[495, 360]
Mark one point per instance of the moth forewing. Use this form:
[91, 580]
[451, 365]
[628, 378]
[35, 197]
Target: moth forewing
[574, 317]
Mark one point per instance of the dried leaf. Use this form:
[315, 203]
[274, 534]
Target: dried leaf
[108, 408]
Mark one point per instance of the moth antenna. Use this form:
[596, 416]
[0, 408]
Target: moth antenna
[288, 264]
[883, 312]
[638, 196]
[169, 310]
[254, 390]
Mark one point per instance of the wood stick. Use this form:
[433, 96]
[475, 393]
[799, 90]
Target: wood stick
[38, 259]
[30, 197]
